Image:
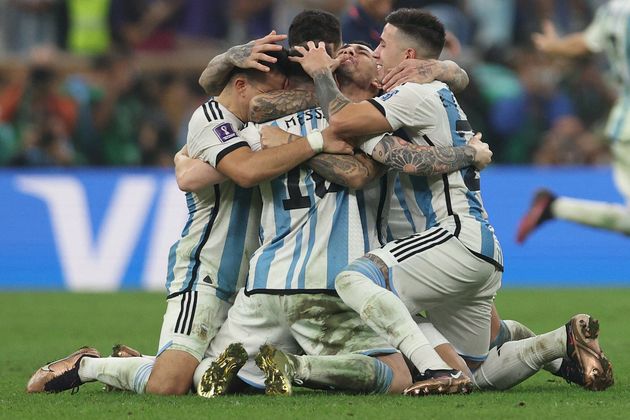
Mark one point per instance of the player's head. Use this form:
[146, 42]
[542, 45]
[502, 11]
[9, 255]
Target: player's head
[359, 68]
[244, 84]
[316, 26]
[409, 33]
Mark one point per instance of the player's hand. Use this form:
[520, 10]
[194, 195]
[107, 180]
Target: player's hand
[249, 56]
[335, 145]
[271, 137]
[544, 41]
[411, 70]
[483, 154]
[315, 59]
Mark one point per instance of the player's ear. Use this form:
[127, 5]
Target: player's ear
[376, 84]
[240, 84]
[410, 53]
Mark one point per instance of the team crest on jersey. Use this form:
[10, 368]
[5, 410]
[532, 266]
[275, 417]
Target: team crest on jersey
[225, 132]
[388, 95]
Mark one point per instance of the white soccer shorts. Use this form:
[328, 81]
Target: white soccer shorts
[434, 272]
[314, 324]
[191, 321]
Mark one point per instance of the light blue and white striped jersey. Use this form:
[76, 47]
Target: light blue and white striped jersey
[428, 114]
[610, 33]
[400, 223]
[311, 228]
[221, 233]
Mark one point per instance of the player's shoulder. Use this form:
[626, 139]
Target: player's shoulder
[415, 90]
[426, 88]
[211, 114]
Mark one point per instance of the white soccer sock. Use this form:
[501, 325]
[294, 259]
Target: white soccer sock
[128, 373]
[593, 213]
[388, 316]
[519, 331]
[516, 361]
[343, 372]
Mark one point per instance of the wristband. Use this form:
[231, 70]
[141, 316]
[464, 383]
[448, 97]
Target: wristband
[316, 141]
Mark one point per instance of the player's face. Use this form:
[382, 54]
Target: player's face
[360, 65]
[390, 51]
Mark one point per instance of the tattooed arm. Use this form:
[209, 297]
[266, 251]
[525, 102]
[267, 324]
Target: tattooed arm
[413, 159]
[346, 119]
[215, 75]
[352, 171]
[273, 105]
[425, 71]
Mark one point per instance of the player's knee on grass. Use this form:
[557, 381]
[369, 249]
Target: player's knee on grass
[172, 373]
[401, 378]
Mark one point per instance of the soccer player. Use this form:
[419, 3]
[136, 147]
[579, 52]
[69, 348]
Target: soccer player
[608, 33]
[321, 229]
[453, 269]
[576, 343]
[306, 26]
[209, 263]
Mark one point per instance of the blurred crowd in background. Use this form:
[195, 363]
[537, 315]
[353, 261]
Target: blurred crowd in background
[114, 82]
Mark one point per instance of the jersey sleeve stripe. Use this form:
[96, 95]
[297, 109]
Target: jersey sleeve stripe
[378, 106]
[223, 153]
[214, 104]
[205, 111]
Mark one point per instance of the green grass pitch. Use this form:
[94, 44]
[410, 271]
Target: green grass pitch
[39, 327]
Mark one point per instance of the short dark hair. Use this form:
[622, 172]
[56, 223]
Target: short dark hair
[281, 66]
[365, 44]
[424, 28]
[316, 26]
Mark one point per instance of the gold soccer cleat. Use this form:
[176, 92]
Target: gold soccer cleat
[278, 368]
[60, 375]
[440, 382]
[583, 349]
[217, 379]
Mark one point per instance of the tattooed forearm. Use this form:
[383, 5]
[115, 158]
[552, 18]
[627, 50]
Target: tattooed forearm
[328, 94]
[453, 75]
[412, 159]
[216, 74]
[345, 170]
[273, 105]
[239, 53]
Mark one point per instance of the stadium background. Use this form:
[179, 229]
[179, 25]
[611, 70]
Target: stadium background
[94, 102]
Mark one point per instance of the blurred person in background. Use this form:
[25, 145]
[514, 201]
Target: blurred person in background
[254, 19]
[145, 25]
[609, 33]
[30, 23]
[364, 20]
[87, 25]
[119, 110]
[41, 116]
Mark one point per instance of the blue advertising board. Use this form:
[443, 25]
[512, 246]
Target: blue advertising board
[110, 229]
